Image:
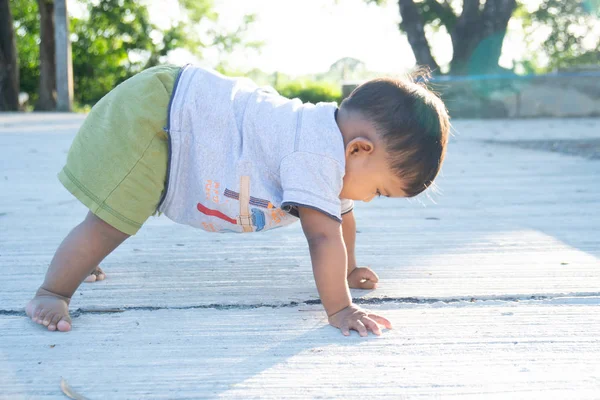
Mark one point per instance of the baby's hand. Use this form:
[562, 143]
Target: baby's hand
[363, 278]
[353, 317]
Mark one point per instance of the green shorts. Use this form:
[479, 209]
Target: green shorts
[117, 164]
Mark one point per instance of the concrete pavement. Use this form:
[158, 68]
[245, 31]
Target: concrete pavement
[492, 283]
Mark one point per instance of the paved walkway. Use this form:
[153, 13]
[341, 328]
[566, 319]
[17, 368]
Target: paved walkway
[492, 283]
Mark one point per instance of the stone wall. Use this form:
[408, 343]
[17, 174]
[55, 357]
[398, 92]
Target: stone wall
[572, 94]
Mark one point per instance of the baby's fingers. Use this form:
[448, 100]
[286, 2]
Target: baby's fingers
[367, 284]
[359, 327]
[345, 330]
[380, 320]
[363, 278]
[369, 274]
[372, 325]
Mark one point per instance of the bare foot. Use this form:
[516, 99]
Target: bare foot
[96, 275]
[50, 310]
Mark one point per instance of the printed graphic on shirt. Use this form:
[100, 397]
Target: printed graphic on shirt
[212, 191]
[277, 214]
[253, 200]
[249, 219]
[256, 219]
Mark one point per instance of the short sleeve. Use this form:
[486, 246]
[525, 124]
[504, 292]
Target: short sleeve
[347, 206]
[313, 181]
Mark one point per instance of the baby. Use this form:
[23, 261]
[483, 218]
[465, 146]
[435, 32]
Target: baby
[225, 155]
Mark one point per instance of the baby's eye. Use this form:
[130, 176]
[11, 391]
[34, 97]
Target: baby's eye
[378, 193]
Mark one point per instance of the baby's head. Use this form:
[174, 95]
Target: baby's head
[395, 134]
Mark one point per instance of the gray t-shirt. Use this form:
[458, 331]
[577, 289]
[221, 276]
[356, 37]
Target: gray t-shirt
[243, 158]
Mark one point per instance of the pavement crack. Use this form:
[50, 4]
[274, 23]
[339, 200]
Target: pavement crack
[571, 298]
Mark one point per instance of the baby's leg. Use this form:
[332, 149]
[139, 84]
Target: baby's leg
[77, 256]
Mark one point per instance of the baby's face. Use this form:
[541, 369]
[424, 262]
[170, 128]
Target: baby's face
[367, 168]
[368, 175]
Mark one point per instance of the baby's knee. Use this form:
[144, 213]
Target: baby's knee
[104, 228]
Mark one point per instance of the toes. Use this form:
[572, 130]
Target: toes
[64, 325]
[30, 309]
[100, 275]
[96, 275]
[42, 316]
[36, 312]
[53, 322]
[50, 312]
[49, 317]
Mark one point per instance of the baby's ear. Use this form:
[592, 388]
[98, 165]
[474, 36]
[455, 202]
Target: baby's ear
[359, 145]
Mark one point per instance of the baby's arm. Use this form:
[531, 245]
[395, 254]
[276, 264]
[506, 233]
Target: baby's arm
[361, 277]
[329, 260]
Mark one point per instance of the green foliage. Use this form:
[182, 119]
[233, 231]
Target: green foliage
[102, 50]
[227, 42]
[345, 69]
[182, 34]
[115, 39]
[310, 91]
[197, 10]
[572, 40]
[572, 24]
[437, 15]
[27, 29]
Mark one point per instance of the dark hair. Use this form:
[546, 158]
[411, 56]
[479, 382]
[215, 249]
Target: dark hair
[413, 122]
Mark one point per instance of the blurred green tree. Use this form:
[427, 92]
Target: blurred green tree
[476, 27]
[115, 39]
[47, 86]
[310, 91]
[105, 43]
[34, 27]
[183, 32]
[228, 42]
[9, 74]
[27, 33]
[572, 35]
[346, 68]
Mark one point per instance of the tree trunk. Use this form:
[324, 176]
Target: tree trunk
[478, 35]
[47, 90]
[412, 23]
[64, 63]
[9, 71]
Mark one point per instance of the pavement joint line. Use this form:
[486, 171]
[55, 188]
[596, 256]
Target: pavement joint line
[370, 301]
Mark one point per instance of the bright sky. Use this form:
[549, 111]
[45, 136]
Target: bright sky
[308, 36]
